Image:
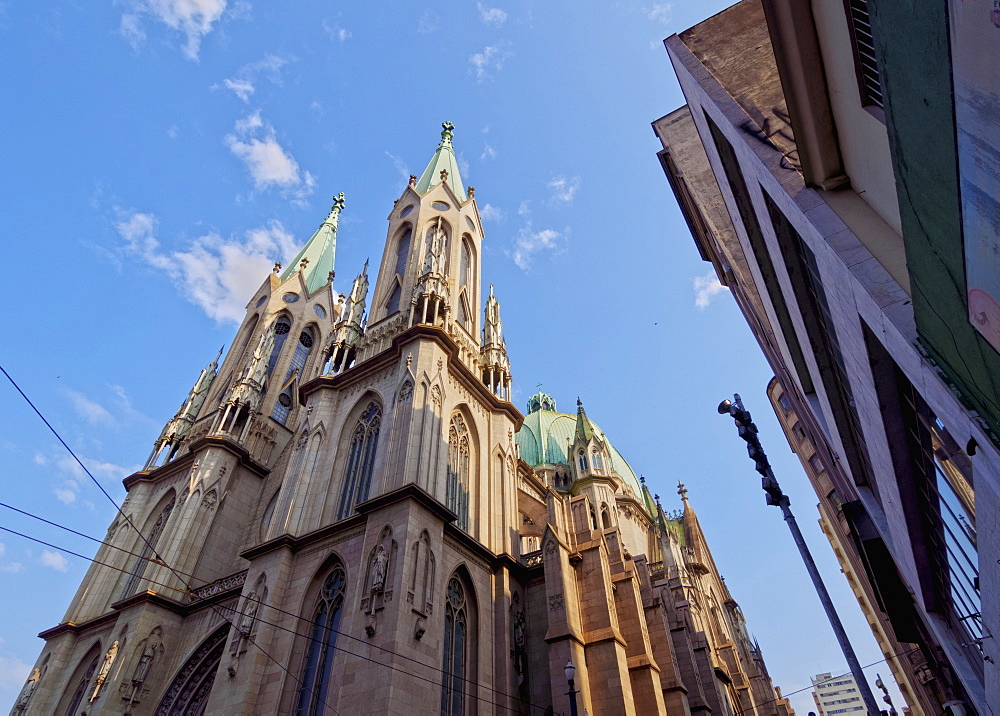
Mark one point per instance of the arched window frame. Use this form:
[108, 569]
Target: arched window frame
[582, 459]
[460, 462]
[459, 644]
[81, 678]
[595, 460]
[363, 448]
[404, 244]
[317, 663]
[147, 546]
[282, 328]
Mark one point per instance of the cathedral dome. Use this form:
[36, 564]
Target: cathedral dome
[545, 436]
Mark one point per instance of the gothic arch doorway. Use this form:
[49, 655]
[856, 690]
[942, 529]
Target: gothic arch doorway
[188, 692]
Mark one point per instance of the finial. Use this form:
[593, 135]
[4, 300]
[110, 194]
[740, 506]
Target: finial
[444, 175]
[579, 403]
[642, 479]
[365, 269]
[491, 293]
[277, 267]
[413, 180]
[303, 263]
[329, 276]
[682, 491]
[338, 203]
[448, 131]
[657, 498]
[472, 192]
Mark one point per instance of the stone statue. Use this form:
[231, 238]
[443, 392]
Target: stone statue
[102, 675]
[29, 688]
[379, 565]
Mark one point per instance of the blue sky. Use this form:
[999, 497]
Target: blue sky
[160, 155]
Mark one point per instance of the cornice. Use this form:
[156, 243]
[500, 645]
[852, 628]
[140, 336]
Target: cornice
[182, 464]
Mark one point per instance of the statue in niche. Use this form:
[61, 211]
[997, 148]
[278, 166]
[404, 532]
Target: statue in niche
[132, 689]
[379, 565]
[102, 675]
[26, 692]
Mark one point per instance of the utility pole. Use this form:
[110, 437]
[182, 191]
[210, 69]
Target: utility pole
[776, 498]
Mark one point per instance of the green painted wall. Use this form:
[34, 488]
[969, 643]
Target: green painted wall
[915, 63]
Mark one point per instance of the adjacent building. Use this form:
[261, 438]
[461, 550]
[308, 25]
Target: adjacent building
[348, 515]
[836, 695]
[833, 163]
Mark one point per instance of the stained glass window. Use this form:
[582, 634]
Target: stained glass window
[322, 645]
[361, 461]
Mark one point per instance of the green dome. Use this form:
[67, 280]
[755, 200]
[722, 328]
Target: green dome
[546, 435]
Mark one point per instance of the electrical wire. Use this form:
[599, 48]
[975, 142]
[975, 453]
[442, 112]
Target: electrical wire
[261, 603]
[86, 536]
[128, 520]
[294, 632]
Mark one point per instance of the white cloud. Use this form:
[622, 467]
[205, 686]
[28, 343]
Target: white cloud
[706, 288]
[244, 82]
[8, 568]
[563, 190]
[255, 143]
[484, 64]
[428, 23]
[530, 242]
[13, 674]
[131, 29]
[215, 273]
[55, 560]
[173, 131]
[491, 213]
[67, 492]
[400, 164]
[241, 88]
[491, 15]
[488, 153]
[661, 12]
[193, 18]
[91, 411]
[524, 208]
[336, 32]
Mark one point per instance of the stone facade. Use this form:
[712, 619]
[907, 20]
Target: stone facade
[340, 519]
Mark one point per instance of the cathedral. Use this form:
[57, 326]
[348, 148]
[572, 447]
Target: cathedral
[347, 515]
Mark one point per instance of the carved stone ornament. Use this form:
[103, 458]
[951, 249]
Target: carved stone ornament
[210, 500]
[419, 628]
[550, 548]
[555, 602]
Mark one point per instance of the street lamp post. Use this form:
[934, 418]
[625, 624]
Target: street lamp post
[776, 498]
[570, 676]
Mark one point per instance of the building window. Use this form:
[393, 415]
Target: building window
[148, 549]
[361, 461]
[595, 459]
[301, 354]
[459, 463]
[799, 433]
[863, 44]
[283, 406]
[281, 328]
[582, 459]
[322, 644]
[82, 686]
[459, 636]
[785, 403]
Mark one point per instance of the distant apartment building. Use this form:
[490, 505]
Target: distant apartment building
[834, 164]
[836, 695]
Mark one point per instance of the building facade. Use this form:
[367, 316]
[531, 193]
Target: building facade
[824, 164]
[348, 515]
[836, 695]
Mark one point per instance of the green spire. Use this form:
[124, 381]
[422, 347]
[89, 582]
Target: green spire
[584, 428]
[319, 252]
[443, 161]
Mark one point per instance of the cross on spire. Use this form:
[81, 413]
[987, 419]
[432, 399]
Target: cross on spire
[682, 491]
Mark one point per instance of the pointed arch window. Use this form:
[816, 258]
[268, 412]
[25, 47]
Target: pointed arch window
[582, 459]
[148, 550]
[302, 350]
[322, 645]
[282, 326]
[459, 642]
[188, 693]
[402, 258]
[459, 463]
[361, 461]
[465, 269]
[83, 684]
[595, 459]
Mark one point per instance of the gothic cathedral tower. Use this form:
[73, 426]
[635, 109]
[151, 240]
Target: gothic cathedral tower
[349, 464]
[349, 516]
